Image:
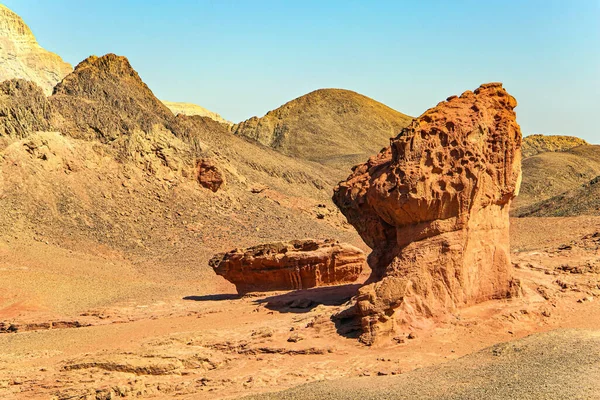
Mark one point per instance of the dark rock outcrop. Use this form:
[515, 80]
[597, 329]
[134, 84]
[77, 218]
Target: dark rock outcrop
[434, 208]
[23, 109]
[299, 264]
[104, 98]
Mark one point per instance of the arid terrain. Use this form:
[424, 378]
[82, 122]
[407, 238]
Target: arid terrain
[112, 203]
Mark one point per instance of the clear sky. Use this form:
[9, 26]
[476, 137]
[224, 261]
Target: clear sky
[244, 58]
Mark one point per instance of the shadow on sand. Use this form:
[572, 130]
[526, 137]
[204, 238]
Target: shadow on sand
[301, 301]
[213, 297]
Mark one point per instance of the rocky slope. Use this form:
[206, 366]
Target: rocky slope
[434, 208]
[330, 126]
[76, 172]
[536, 144]
[583, 200]
[190, 109]
[21, 57]
[549, 174]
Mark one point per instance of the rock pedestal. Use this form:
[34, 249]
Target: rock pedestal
[434, 208]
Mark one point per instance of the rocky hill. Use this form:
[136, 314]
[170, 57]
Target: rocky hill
[103, 165]
[22, 57]
[583, 200]
[329, 126]
[190, 109]
[536, 144]
[549, 174]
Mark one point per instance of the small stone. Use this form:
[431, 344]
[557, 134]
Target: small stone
[412, 335]
[295, 338]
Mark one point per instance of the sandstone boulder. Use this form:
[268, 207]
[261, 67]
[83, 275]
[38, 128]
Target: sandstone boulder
[209, 175]
[299, 264]
[434, 208]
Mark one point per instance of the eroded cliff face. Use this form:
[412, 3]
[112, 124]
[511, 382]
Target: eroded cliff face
[21, 57]
[434, 208]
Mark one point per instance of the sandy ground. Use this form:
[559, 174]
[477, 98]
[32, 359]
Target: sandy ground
[89, 323]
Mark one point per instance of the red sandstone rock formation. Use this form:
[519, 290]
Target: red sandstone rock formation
[434, 208]
[209, 175]
[299, 264]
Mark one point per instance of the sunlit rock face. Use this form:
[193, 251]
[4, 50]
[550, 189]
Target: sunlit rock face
[21, 57]
[434, 208]
[294, 265]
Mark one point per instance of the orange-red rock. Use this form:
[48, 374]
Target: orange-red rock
[298, 264]
[209, 175]
[434, 208]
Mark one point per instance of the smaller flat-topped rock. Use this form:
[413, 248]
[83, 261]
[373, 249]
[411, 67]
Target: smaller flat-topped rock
[298, 264]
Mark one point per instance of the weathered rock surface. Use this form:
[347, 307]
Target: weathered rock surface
[23, 108]
[105, 98]
[299, 264]
[209, 175]
[21, 57]
[434, 208]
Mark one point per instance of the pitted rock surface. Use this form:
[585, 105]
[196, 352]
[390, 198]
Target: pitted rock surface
[434, 208]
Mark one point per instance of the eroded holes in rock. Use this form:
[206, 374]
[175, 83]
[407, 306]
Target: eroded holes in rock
[424, 134]
[403, 189]
[454, 143]
[443, 139]
[437, 170]
[454, 154]
[442, 185]
[450, 126]
[428, 158]
[458, 186]
[470, 175]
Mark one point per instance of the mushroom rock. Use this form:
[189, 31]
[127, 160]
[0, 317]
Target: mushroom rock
[298, 264]
[434, 207]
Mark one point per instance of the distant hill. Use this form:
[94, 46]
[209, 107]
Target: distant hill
[583, 200]
[21, 57]
[190, 109]
[549, 174]
[330, 126]
[536, 144]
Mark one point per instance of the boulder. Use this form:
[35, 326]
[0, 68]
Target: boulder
[209, 175]
[298, 264]
[434, 208]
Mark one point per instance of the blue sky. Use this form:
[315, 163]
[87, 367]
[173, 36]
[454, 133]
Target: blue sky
[244, 58]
